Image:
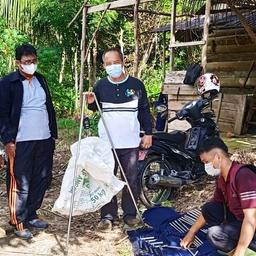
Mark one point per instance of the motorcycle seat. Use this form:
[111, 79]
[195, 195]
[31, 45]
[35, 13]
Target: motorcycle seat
[176, 137]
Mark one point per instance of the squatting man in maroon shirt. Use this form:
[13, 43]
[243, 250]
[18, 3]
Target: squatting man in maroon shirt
[231, 214]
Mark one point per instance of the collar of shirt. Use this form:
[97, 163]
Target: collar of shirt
[18, 76]
[120, 82]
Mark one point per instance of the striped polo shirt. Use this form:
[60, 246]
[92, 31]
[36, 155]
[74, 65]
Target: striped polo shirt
[238, 192]
[125, 110]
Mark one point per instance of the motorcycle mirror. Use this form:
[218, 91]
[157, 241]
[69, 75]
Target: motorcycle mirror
[161, 108]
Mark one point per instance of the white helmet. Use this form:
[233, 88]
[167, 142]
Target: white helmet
[208, 83]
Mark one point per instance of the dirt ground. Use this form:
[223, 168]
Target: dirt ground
[85, 239]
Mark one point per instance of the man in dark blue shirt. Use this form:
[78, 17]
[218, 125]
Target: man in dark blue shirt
[125, 109]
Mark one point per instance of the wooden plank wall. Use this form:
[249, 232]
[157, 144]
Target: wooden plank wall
[230, 54]
[231, 115]
[229, 108]
[178, 95]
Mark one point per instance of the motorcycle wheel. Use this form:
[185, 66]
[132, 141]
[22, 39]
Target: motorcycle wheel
[150, 196]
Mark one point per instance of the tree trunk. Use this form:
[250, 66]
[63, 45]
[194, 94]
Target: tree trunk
[94, 61]
[76, 81]
[62, 69]
[89, 66]
[121, 40]
[136, 39]
[83, 45]
[147, 54]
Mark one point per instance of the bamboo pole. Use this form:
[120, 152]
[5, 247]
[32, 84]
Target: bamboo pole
[83, 43]
[173, 27]
[207, 21]
[77, 14]
[136, 39]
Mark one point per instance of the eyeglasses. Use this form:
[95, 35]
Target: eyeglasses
[28, 62]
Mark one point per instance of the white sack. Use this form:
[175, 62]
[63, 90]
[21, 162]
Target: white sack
[96, 183]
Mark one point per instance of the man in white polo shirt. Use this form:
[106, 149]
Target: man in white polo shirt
[125, 108]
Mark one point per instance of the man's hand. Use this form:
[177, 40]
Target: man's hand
[239, 253]
[1, 162]
[146, 141]
[187, 240]
[89, 97]
[10, 149]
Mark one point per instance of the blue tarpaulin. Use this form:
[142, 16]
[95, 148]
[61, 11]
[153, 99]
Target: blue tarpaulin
[161, 239]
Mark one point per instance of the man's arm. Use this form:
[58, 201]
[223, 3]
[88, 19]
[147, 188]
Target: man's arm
[144, 111]
[246, 188]
[188, 239]
[145, 118]
[247, 231]
[6, 130]
[90, 98]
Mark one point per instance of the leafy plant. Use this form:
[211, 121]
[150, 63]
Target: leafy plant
[9, 39]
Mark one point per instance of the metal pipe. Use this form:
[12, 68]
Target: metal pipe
[75, 174]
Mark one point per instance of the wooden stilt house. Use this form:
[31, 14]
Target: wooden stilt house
[225, 32]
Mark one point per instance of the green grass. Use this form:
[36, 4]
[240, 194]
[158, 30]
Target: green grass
[65, 123]
[247, 142]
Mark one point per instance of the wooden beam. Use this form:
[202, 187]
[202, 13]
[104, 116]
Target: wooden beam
[240, 115]
[228, 66]
[207, 20]
[77, 14]
[83, 43]
[115, 5]
[173, 28]
[146, 11]
[164, 54]
[184, 44]
[243, 20]
[95, 32]
[136, 39]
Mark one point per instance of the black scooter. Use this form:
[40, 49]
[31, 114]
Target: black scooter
[173, 160]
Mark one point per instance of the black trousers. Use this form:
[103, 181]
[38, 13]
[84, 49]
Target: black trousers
[128, 159]
[224, 231]
[30, 179]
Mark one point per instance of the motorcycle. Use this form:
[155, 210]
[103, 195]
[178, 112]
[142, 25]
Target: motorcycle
[173, 160]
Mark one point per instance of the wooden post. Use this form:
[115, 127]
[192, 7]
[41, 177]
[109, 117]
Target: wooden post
[95, 32]
[173, 27]
[207, 21]
[82, 7]
[83, 43]
[164, 55]
[136, 39]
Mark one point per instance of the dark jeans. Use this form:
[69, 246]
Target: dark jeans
[30, 179]
[224, 231]
[128, 159]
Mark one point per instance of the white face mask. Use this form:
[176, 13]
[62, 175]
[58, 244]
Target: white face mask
[29, 69]
[114, 70]
[211, 170]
